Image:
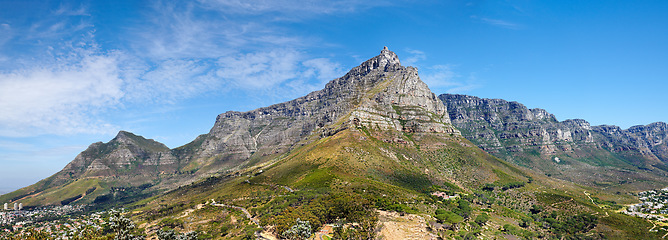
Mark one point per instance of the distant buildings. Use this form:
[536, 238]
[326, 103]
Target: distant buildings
[17, 207]
[443, 195]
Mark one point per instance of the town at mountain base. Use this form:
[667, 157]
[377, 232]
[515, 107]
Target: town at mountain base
[375, 154]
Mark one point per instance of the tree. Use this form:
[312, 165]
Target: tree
[445, 216]
[482, 219]
[301, 230]
[535, 209]
[121, 226]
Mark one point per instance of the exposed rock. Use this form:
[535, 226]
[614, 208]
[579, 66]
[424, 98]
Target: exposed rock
[495, 125]
[126, 155]
[534, 138]
[380, 93]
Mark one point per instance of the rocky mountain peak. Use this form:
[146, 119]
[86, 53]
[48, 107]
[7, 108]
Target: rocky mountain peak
[386, 61]
[378, 94]
[128, 138]
[124, 137]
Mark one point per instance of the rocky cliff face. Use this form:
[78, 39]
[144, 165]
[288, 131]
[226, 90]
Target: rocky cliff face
[648, 140]
[498, 125]
[380, 93]
[570, 149]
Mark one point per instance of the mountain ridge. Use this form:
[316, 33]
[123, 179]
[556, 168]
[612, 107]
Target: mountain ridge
[377, 95]
[534, 138]
[238, 139]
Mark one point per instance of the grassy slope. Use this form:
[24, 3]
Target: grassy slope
[356, 162]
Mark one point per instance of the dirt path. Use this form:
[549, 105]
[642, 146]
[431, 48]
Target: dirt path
[592, 200]
[409, 226]
[561, 202]
[244, 210]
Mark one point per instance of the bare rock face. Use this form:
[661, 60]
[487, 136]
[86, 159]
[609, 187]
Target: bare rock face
[496, 124]
[378, 93]
[572, 149]
[649, 140]
[402, 102]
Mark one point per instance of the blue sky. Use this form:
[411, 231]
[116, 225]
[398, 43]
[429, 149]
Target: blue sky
[76, 72]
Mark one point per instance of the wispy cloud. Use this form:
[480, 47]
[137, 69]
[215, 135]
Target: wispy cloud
[68, 82]
[498, 22]
[268, 69]
[441, 77]
[469, 84]
[302, 8]
[414, 58]
[444, 78]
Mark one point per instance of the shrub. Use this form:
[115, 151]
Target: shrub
[482, 219]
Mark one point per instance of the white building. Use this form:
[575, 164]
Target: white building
[20, 206]
[6, 206]
[16, 206]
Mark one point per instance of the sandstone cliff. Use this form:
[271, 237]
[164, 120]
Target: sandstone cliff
[570, 149]
[380, 93]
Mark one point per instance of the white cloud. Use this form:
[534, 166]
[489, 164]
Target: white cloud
[301, 8]
[52, 98]
[443, 78]
[322, 69]
[277, 74]
[172, 80]
[439, 76]
[67, 90]
[467, 85]
[259, 70]
[188, 30]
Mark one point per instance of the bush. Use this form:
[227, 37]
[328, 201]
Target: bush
[509, 228]
[535, 209]
[171, 223]
[301, 230]
[482, 219]
[488, 187]
[575, 224]
[445, 216]
[512, 185]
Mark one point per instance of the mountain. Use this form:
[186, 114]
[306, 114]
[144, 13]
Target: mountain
[376, 138]
[371, 148]
[127, 160]
[573, 150]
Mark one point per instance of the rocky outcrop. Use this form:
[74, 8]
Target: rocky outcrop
[379, 93]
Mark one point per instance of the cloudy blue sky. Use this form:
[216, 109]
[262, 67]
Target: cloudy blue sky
[76, 72]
